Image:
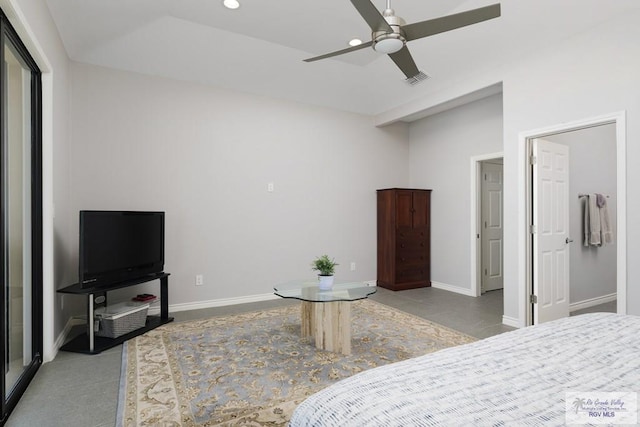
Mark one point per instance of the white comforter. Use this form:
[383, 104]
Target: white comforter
[517, 378]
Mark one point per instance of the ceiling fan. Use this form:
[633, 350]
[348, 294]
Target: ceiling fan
[390, 33]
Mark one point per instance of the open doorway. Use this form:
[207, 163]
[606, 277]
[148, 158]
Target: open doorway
[487, 268]
[595, 159]
[491, 225]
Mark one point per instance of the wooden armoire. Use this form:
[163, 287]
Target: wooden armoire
[404, 238]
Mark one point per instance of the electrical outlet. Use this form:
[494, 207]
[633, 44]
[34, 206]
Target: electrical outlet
[270, 187]
[353, 266]
[199, 280]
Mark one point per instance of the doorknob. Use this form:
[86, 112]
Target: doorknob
[568, 240]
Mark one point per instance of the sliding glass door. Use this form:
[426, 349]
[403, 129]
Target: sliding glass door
[20, 217]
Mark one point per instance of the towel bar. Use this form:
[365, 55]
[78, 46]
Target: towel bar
[586, 195]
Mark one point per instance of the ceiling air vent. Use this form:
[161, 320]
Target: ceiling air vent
[421, 76]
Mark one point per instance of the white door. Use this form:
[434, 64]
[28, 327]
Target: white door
[491, 223]
[550, 231]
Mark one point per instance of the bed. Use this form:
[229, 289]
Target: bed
[517, 378]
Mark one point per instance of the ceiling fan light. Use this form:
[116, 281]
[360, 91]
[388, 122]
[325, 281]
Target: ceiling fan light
[231, 4]
[389, 45]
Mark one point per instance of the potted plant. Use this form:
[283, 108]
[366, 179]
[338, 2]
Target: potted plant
[325, 267]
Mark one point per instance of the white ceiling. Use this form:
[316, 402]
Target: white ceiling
[259, 47]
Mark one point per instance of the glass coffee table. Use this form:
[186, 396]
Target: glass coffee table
[326, 315]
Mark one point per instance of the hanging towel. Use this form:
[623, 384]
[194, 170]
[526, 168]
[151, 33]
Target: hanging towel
[594, 221]
[605, 223]
[587, 222]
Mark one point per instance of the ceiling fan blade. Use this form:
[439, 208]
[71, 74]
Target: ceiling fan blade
[405, 62]
[430, 27]
[340, 52]
[372, 15]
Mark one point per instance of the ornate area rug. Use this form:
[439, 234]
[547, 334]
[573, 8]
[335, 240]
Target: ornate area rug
[254, 368]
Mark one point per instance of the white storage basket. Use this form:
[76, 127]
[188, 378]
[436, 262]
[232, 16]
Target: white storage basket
[120, 319]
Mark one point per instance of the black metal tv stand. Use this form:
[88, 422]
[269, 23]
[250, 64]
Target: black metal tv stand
[89, 343]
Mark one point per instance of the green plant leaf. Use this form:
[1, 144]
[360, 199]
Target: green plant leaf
[324, 265]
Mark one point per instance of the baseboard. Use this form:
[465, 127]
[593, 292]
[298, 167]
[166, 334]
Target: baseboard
[451, 288]
[224, 301]
[575, 306]
[506, 320]
[514, 322]
[215, 303]
[62, 338]
[155, 309]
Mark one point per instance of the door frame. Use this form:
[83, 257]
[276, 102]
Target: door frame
[476, 213]
[22, 27]
[9, 401]
[525, 237]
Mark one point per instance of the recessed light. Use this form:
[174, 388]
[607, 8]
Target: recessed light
[231, 4]
[355, 42]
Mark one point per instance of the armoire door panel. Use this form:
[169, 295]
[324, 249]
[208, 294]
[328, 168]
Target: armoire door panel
[420, 209]
[404, 209]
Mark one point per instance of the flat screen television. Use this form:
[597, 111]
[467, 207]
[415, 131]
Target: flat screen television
[116, 246]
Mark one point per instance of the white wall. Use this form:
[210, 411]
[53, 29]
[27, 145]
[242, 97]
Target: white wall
[592, 169]
[441, 147]
[205, 157]
[588, 76]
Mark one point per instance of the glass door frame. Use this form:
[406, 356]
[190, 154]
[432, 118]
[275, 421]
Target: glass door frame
[10, 398]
